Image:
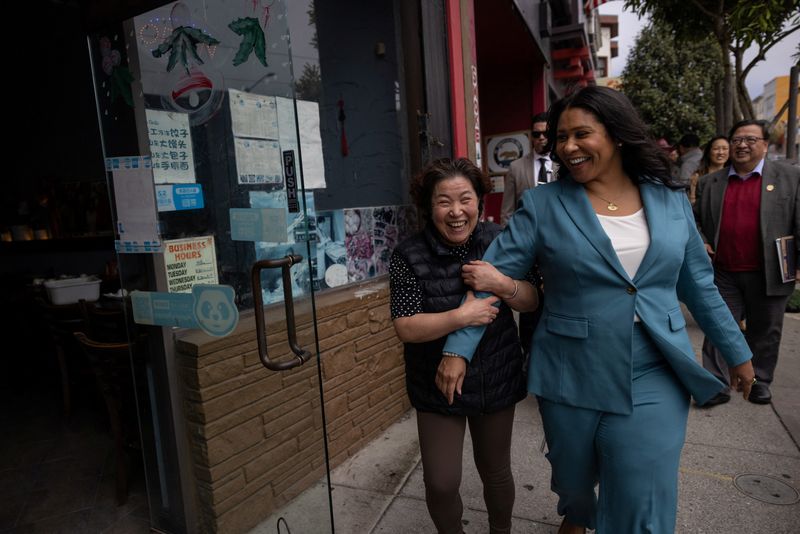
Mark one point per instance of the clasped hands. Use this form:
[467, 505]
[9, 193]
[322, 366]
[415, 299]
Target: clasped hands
[483, 276]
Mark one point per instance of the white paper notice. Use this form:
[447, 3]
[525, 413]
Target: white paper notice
[190, 262]
[311, 145]
[258, 161]
[135, 200]
[170, 147]
[286, 124]
[310, 139]
[253, 116]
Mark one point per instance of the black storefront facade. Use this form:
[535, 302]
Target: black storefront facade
[207, 110]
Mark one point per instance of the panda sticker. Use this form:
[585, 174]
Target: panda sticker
[215, 309]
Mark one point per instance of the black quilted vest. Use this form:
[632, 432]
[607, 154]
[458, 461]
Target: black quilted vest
[495, 377]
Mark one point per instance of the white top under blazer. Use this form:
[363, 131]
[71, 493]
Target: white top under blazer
[630, 237]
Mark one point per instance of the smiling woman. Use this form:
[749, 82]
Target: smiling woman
[586, 148]
[431, 274]
[715, 156]
[455, 209]
[611, 362]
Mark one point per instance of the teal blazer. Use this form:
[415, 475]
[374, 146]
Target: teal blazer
[581, 351]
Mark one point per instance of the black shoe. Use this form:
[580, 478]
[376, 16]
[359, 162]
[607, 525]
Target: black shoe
[760, 394]
[719, 398]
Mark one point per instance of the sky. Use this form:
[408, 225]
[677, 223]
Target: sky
[777, 62]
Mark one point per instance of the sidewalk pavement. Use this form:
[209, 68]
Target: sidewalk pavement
[380, 490]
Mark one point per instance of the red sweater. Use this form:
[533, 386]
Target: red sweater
[739, 244]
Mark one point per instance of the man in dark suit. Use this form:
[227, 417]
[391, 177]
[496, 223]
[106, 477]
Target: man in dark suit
[740, 211]
[530, 170]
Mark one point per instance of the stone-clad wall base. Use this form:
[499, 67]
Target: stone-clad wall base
[257, 435]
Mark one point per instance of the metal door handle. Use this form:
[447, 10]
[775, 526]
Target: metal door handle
[285, 263]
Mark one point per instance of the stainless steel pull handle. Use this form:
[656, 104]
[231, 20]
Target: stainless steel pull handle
[285, 263]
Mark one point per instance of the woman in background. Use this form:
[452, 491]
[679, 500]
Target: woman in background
[715, 156]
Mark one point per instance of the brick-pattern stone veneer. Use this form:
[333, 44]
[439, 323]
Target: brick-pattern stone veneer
[256, 435]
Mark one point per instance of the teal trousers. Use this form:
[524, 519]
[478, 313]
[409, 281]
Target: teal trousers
[634, 458]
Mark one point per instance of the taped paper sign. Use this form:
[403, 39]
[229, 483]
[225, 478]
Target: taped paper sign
[190, 262]
[170, 147]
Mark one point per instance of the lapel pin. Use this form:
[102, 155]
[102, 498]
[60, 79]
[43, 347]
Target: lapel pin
[770, 187]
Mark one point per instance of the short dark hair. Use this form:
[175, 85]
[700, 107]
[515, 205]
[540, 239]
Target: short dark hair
[539, 117]
[689, 141]
[424, 182]
[764, 125]
[642, 158]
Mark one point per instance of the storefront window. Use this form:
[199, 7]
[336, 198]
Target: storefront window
[228, 90]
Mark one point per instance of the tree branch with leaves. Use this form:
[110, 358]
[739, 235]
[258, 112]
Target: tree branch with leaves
[736, 25]
[672, 82]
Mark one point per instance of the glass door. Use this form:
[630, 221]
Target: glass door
[209, 155]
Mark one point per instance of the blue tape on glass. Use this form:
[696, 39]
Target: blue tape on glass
[259, 224]
[138, 247]
[129, 163]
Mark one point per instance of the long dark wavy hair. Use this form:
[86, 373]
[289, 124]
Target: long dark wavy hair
[424, 182]
[642, 158]
[705, 161]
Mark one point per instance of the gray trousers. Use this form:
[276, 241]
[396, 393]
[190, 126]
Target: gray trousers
[441, 442]
[745, 295]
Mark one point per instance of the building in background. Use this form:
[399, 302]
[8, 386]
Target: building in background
[758, 106]
[528, 54]
[573, 54]
[775, 94]
[767, 107]
[606, 45]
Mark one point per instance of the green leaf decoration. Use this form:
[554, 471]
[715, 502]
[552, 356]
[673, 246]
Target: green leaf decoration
[181, 44]
[166, 46]
[260, 47]
[253, 40]
[199, 36]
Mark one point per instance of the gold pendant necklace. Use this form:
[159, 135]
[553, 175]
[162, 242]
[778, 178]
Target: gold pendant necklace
[610, 203]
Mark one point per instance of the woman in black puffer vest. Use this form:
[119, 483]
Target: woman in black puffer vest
[432, 278]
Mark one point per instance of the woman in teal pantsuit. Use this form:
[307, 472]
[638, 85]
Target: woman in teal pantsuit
[611, 362]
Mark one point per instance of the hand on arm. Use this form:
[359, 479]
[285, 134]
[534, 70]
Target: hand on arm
[512, 252]
[423, 327]
[483, 276]
[429, 326]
